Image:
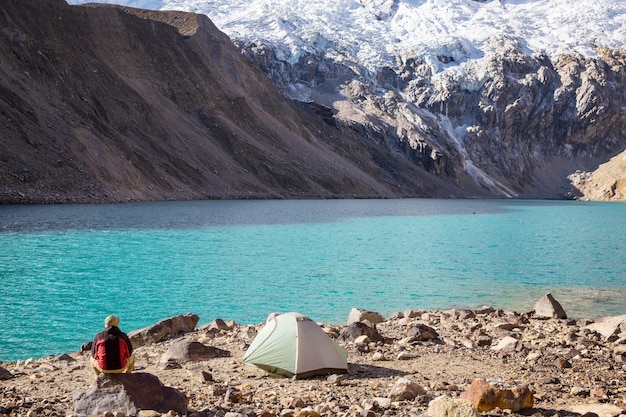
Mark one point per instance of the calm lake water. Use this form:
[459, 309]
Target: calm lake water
[64, 268]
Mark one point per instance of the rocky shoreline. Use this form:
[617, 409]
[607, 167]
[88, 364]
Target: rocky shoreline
[397, 367]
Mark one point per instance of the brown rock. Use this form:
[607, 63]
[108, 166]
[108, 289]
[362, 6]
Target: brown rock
[354, 330]
[233, 395]
[487, 395]
[484, 340]
[186, 351]
[145, 413]
[291, 402]
[422, 332]
[45, 386]
[164, 329]
[563, 363]
[5, 374]
[598, 392]
[215, 326]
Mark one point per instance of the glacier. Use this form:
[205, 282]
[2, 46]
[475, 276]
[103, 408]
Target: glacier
[376, 33]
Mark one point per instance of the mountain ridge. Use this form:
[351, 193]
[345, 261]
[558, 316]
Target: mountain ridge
[451, 84]
[185, 113]
[109, 104]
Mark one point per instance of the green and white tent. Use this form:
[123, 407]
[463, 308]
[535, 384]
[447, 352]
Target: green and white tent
[293, 345]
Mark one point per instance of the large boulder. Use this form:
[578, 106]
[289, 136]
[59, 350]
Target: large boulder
[129, 394]
[360, 315]
[185, 351]
[355, 330]
[421, 332]
[216, 326]
[5, 374]
[405, 389]
[164, 329]
[507, 344]
[608, 326]
[488, 395]
[547, 306]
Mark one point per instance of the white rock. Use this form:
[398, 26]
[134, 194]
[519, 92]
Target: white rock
[405, 389]
[383, 402]
[404, 356]
[451, 407]
[359, 315]
[506, 343]
[547, 306]
[602, 410]
[607, 326]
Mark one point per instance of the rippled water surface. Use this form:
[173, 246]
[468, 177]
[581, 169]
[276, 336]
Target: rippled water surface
[64, 268]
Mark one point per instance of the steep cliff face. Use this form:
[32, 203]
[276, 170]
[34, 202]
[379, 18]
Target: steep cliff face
[103, 103]
[520, 125]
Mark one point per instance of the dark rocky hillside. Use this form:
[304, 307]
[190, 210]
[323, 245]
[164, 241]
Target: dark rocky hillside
[107, 104]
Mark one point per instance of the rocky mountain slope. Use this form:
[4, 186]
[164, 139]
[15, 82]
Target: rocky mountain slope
[519, 95]
[101, 104]
[108, 103]
[518, 122]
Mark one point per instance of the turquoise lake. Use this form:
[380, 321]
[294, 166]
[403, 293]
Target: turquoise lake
[64, 268]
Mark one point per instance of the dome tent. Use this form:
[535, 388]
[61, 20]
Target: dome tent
[293, 345]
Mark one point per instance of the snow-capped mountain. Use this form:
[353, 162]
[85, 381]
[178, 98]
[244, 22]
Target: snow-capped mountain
[375, 33]
[518, 94]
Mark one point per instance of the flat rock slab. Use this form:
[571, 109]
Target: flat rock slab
[602, 410]
[185, 351]
[607, 326]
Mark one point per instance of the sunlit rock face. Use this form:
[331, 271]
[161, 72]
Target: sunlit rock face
[516, 95]
[519, 124]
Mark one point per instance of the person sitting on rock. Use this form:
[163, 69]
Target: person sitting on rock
[111, 350]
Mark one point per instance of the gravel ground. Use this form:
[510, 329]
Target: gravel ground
[565, 363]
